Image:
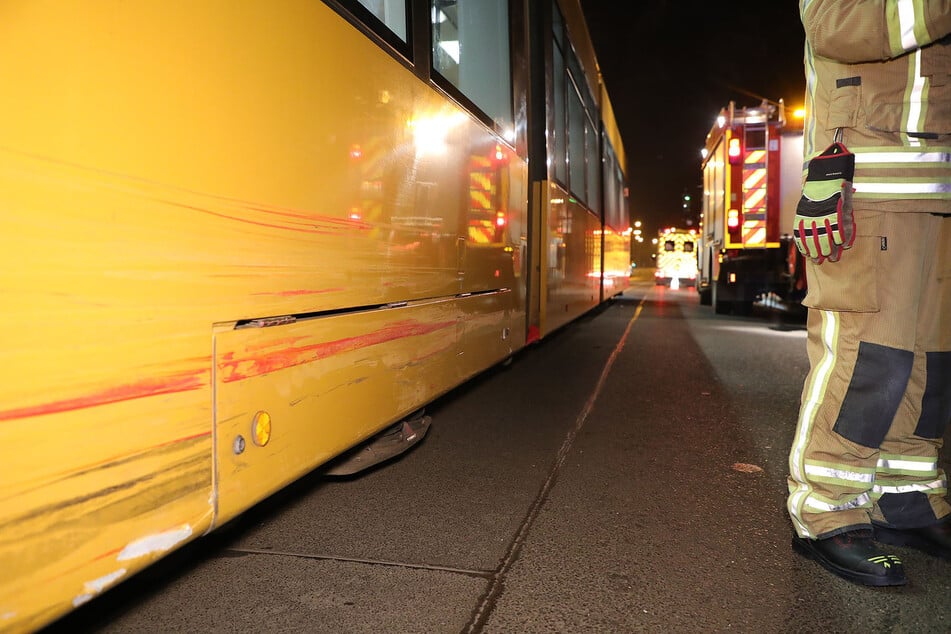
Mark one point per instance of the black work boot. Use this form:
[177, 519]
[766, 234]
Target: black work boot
[852, 555]
[934, 540]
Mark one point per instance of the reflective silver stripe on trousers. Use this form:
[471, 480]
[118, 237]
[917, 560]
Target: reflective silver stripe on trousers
[840, 474]
[820, 377]
[911, 488]
[818, 505]
[908, 465]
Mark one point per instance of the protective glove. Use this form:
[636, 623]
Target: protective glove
[825, 224]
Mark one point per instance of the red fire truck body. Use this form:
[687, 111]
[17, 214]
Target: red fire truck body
[752, 175]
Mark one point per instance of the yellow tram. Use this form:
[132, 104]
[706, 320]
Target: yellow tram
[241, 238]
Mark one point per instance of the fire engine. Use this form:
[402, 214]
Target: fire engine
[676, 260]
[752, 176]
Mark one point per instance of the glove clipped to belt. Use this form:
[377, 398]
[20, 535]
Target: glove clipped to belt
[825, 225]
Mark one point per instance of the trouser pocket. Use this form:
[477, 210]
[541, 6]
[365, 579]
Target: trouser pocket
[943, 252]
[851, 283]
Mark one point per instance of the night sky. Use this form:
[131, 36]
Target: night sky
[671, 65]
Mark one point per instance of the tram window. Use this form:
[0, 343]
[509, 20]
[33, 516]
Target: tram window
[669, 245]
[574, 69]
[471, 51]
[583, 154]
[559, 87]
[688, 247]
[576, 144]
[392, 13]
[614, 208]
[558, 25]
[609, 168]
[560, 132]
[594, 165]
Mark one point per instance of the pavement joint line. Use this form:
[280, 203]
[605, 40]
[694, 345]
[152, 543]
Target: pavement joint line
[497, 580]
[484, 574]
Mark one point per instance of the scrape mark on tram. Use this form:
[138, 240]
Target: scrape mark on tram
[96, 586]
[153, 386]
[158, 543]
[300, 291]
[236, 369]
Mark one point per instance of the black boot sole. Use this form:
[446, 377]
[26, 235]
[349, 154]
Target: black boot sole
[804, 548]
[893, 537]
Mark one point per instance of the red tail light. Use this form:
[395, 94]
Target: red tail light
[735, 150]
[733, 218]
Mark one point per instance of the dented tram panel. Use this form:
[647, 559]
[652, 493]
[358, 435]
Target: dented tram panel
[208, 213]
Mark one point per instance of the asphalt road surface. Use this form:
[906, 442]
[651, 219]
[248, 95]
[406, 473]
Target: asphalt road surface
[625, 475]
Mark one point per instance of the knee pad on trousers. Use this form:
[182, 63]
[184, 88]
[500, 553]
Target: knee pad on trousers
[878, 383]
[936, 402]
[907, 510]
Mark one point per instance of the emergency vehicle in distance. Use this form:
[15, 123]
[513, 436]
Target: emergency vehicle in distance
[752, 177]
[676, 258]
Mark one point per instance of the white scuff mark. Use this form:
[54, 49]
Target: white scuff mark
[100, 584]
[158, 543]
[96, 586]
[6, 616]
[83, 598]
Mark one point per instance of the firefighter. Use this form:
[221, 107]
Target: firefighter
[874, 222]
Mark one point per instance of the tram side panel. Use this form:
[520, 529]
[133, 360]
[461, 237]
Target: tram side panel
[617, 218]
[572, 260]
[207, 218]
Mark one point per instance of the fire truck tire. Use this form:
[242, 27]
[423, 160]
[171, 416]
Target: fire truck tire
[720, 307]
[706, 296]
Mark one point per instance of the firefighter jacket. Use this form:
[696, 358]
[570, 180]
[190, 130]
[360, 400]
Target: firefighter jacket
[879, 71]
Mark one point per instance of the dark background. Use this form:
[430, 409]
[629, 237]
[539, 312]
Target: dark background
[670, 66]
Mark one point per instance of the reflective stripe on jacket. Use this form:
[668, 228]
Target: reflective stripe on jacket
[880, 71]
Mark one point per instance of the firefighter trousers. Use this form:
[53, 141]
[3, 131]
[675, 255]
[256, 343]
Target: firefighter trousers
[877, 400]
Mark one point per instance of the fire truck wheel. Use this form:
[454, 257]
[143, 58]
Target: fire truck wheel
[720, 306]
